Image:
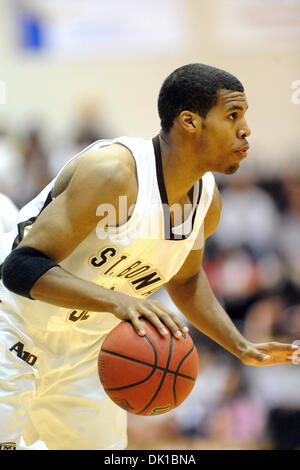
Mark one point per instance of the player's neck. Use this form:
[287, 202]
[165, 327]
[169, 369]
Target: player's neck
[180, 174]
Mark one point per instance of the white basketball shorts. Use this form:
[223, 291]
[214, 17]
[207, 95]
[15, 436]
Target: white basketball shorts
[50, 390]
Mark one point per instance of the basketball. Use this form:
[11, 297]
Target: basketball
[147, 375]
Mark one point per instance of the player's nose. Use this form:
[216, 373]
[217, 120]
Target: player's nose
[244, 131]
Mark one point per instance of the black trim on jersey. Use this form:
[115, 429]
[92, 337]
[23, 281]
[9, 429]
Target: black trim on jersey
[162, 189]
[26, 223]
[164, 197]
[198, 201]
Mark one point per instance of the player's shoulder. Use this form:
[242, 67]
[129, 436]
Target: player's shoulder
[110, 170]
[109, 158]
[113, 162]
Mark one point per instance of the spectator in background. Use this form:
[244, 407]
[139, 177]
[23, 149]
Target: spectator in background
[277, 391]
[237, 419]
[8, 221]
[288, 235]
[8, 214]
[256, 269]
[11, 169]
[36, 163]
[264, 319]
[245, 262]
[23, 166]
[193, 415]
[272, 318]
[88, 128]
[250, 218]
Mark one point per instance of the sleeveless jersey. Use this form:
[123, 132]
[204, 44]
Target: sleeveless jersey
[135, 258]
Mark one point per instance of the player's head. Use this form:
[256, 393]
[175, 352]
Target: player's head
[193, 87]
[207, 105]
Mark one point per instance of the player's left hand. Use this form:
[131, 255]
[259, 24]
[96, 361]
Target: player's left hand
[268, 354]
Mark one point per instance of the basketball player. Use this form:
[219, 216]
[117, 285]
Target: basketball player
[75, 272]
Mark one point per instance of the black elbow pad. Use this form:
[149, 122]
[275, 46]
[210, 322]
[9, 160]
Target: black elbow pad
[23, 267]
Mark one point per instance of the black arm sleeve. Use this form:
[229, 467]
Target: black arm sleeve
[23, 267]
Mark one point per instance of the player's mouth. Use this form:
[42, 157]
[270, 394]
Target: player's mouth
[243, 151]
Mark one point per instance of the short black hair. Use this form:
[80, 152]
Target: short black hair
[192, 87]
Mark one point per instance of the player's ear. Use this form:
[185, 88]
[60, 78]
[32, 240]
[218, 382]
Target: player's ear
[189, 121]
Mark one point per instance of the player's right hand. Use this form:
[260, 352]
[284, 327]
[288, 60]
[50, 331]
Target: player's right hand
[132, 308]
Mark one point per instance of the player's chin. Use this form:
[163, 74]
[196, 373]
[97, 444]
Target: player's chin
[232, 169]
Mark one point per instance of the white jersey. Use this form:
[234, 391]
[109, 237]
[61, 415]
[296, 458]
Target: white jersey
[48, 369]
[136, 258]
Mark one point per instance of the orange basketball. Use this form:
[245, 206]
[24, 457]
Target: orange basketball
[147, 375]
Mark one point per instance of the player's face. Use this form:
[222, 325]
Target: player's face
[223, 138]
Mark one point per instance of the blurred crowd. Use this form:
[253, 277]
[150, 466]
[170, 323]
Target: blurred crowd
[253, 264]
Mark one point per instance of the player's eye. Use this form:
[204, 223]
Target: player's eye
[233, 116]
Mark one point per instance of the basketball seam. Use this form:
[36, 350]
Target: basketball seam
[180, 374]
[163, 378]
[141, 381]
[177, 374]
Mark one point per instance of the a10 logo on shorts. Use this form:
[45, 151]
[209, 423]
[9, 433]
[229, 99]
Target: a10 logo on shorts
[8, 446]
[24, 355]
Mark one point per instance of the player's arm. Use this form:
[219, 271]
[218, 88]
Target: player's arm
[191, 292]
[100, 178]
